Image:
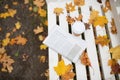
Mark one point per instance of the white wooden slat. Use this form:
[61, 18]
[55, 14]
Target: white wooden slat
[63, 24]
[53, 56]
[104, 51]
[91, 50]
[80, 69]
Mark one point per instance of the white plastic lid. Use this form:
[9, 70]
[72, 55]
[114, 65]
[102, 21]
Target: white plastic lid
[78, 27]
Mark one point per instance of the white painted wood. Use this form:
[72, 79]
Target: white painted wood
[80, 69]
[53, 56]
[104, 51]
[91, 49]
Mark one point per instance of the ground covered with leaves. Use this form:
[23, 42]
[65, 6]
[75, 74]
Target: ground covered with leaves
[23, 27]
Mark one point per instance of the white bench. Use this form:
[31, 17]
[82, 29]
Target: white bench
[104, 55]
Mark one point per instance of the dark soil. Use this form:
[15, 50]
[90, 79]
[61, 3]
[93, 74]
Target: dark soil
[32, 68]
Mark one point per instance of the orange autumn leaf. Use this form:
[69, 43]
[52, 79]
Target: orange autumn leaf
[70, 7]
[100, 20]
[12, 41]
[70, 20]
[41, 37]
[79, 2]
[102, 40]
[112, 62]
[42, 12]
[113, 28]
[38, 30]
[58, 11]
[20, 40]
[79, 18]
[85, 59]
[68, 76]
[15, 3]
[39, 3]
[43, 47]
[42, 59]
[6, 6]
[2, 50]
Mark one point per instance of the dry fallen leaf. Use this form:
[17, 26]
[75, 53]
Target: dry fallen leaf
[30, 8]
[15, 3]
[68, 76]
[79, 18]
[79, 2]
[112, 62]
[5, 41]
[70, 20]
[115, 52]
[100, 20]
[25, 57]
[18, 25]
[43, 47]
[0, 29]
[42, 12]
[20, 40]
[46, 23]
[7, 35]
[62, 69]
[41, 37]
[113, 28]
[7, 63]
[6, 6]
[85, 59]
[26, 1]
[2, 50]
[42, 59]
[38, 30]
[13, 41]
[70, 7]
[102, 40]
[58, 11]
[39, 3]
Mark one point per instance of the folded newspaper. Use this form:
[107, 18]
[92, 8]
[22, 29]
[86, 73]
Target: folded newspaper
[65, 44]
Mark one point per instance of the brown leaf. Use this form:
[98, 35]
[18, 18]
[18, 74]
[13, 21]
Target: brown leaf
[42, 59]
[68, 76]
[39, 3]
[2, 50]
[85, 59]
[20, 40]
[113, 28]
[87, 26]
[115, 69]
[70, 20]
[79, 2]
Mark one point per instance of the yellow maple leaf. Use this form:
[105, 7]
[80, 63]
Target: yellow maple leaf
[70, 7]
[61, 68]
[58, 11]
[39, 3]
[102, 40]
[100, 20]
[5, 41]
[42, 12]
[12, 12]
[38, 30]
[43, 47]
[115, 52]
[17, 25]
[79, 2]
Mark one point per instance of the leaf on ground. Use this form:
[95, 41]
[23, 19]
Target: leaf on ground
[58, 11]
[42, 12]
[46, 23]
[115, 52]
[7, 63]
[17, 25]
[2, 50]
[79, 2]
[62, 69]
[6, 6]
[102, 40]
[42, 58]
[15, 3]
[70, 7]
[85, 59]
[30, 8]
[113, 28]
[100, 20]
[68, 76]
[70, 20]
[39, 3]
[7, 35]
[38, 30]
[26, 1]
[20, 40]
[13, 41]
[25, 57]
[5, 41]
[41, 37]
[43, 47]
[79, 18]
